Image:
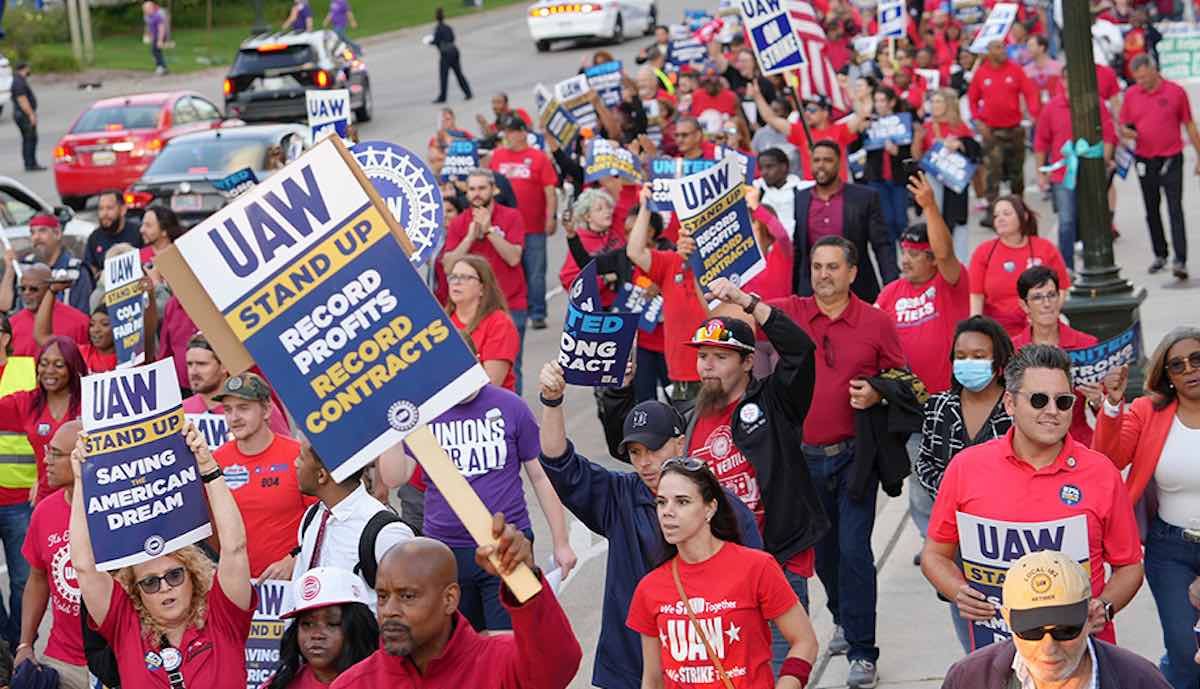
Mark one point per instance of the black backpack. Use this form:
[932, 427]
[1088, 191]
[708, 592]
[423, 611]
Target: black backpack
[367, 564]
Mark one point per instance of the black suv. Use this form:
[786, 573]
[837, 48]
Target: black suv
[272, 71]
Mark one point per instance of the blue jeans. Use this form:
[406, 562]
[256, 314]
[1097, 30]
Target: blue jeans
[920, 503]
[780, 645]
[479, 600]
[650, 376]
[1065, 206]
[14, 522]
[341, 32]
[519, 317]
[893, 200]
[533, 260]
[845, 562]
[1171, 564]
[156, 53]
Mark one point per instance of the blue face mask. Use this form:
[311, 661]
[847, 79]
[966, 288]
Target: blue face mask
[974, 374]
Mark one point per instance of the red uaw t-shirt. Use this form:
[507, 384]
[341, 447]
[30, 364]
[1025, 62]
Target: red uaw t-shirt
[18, 415]
[733, 594]
[495, 339]
[682, 311]
[48, 548]
[926, 316]
[529, 172]
[512, 228]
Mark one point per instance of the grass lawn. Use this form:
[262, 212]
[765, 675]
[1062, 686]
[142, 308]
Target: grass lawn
[197, 49]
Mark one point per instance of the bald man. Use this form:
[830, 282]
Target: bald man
[428, 643]
[66, 320]
[51, 576]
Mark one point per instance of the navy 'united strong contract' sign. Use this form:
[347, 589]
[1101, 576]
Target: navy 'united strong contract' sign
[308, 273]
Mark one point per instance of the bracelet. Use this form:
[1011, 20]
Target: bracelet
[796, 667]
[550, 403]
[209, 478]
[23, 645]
[754, 299]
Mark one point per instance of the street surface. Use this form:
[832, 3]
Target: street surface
[914, 630]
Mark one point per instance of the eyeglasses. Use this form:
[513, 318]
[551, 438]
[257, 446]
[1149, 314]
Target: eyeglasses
[685, 463]
[1039, 400]
[1046, 298]
[460, 277]
[1058, 633]
[30, 288]
[1178, 366]
[811, 108]
[686, 133]
[173, 577]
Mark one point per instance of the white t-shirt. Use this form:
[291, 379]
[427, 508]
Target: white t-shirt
[1177, 479]
[783, 200]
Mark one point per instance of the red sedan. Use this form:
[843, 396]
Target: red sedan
[112, 143]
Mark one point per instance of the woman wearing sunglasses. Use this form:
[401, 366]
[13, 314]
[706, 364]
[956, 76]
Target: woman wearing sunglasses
[1159, 434]
[703, 613]
[171, 620]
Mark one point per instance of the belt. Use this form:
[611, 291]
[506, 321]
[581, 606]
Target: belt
[1188, 535]
[827, 450]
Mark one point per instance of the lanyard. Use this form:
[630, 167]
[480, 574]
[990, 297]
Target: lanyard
[173, 663]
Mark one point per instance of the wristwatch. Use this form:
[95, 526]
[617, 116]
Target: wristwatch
[1109, 610]
[754, 299]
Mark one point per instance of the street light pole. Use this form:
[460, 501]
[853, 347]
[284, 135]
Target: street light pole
[260, 22]
[1101, 301]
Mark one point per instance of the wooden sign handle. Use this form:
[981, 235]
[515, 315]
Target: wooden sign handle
[466, 504]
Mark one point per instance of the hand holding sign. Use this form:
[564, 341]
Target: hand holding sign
[511, 548]
[973, 605]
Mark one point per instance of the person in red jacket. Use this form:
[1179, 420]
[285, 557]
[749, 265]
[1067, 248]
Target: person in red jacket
[995, 99]
[425, 642]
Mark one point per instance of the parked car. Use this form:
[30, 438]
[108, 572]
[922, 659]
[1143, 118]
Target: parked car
[182, 175]
[271, 73]
[612, 20]
[18, 203]
[112, 143]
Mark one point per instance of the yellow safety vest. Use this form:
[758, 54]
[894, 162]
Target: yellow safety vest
[18, 468]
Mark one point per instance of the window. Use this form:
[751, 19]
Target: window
[184, 112]
[206, 110]
[117, 117]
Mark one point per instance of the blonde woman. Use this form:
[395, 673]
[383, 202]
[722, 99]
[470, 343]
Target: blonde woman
[592, 218]
[172, 620]
[945, 126]
[476, 307]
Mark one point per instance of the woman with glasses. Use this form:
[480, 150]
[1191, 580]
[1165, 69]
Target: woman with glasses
[1159, 435]
[477, 307]
[713, 590]
[172, 620]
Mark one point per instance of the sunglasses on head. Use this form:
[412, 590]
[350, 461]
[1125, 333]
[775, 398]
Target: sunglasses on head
[685, 463]
[1057, 632]
[173, 577]
[714, 331]
[1178, 366]
[1039, 400]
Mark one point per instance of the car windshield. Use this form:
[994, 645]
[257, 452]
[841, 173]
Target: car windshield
[209, 155]
[110, 118]
[255, 61]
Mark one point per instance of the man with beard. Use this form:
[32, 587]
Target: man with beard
[745, 429]
[115, 227]
[206, 375]
[65, 320]
[426, 642]
[502, 110]
[46, 236]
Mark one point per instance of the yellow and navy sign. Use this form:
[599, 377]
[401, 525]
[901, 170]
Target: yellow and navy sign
[123, 300]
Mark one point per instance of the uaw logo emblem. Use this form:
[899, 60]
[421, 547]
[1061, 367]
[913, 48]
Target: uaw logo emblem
[403, 416]
[154, 545]
[410, 190]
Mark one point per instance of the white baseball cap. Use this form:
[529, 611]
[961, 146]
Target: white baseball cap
[320, 587]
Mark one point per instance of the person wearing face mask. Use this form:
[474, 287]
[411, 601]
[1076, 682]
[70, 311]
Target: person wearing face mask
[969, 413]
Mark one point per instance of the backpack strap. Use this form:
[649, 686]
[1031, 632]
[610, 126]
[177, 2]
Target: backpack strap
[367, 564]
[309, 515]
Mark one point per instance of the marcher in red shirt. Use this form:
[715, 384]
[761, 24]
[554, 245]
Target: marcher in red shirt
[39, 413]
[689, 137]
[1036, 474]
[164, 627]
[818, 114]
[258, 468]
[743, 590]
[494, 232]
[1153, 111]
[100, 353]
[713, 95]
[476, 307]
[501, 109]
[997, 263]
[207, 375]
[995, 100]
[1042, 300]
[593, 219]
[174, 332]
[426, 643]
[533, 181]
[34, 285]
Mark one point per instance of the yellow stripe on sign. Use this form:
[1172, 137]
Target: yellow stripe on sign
[979, 574]
[718, 207]
[133, 435]
[308, 272]
[122, 293]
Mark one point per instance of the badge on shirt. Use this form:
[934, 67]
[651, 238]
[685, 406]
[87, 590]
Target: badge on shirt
[1009, 266]
[1070, 495]
[43, 429]
[153, 661]
[171, 659]
[752, 417]
[236, 476]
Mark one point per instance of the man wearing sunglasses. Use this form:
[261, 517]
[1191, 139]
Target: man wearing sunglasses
[1046, 602]
[32, 287]
[1031, 484]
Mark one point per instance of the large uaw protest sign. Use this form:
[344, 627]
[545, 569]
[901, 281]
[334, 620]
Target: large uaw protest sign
[309, 273]
[771, 32]
[595, 344]
[990, 546]
[1090, 364]
[141, 485]
[123, 299]
[711, 205]
[266, 631]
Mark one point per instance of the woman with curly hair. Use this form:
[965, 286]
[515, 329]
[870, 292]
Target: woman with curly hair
[171, 620]
[593, 219]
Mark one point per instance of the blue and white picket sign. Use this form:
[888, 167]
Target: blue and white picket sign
[462, 156]
[664, 170]
[892, 18]
[605, 158]
[595, 345]
[411, 192]
[328, 112]
[214, 427]
[633, 298]
[1123, 157]
[694, 19]
[711, 205]
[684, 52]
[266, 630]
[897, 128]
[553, 118]
[775, 42]
[141, 486]
[951, 168]
[1090, 364]
[236, 183]
[123, 299]
[605, 80]
[574, 94]
[310, 275]
[996, 27]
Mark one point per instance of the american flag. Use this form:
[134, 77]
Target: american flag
[816, 75]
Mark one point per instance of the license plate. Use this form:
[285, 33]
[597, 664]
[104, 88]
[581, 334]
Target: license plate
[104, 158]
[187, 202]
[272, 83]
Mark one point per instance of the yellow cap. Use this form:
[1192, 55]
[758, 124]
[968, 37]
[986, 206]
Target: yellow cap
[1046, 588]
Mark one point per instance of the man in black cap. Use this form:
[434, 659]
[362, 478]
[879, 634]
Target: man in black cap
[748, 429]
[619, 506]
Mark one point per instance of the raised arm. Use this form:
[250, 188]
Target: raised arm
[95, 586]
[233, 567]
[637, 248]
[8, 284]
[43, 320]
[779, 124]
[940, 239]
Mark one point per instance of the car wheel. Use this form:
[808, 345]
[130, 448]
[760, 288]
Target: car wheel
[618, 34]
[75, 203]
[363, 114]
[543, 46]
[651, 21]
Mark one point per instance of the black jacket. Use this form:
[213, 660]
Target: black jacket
[766, 430]
[880, 433]
[991, 668]
[862, 223]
